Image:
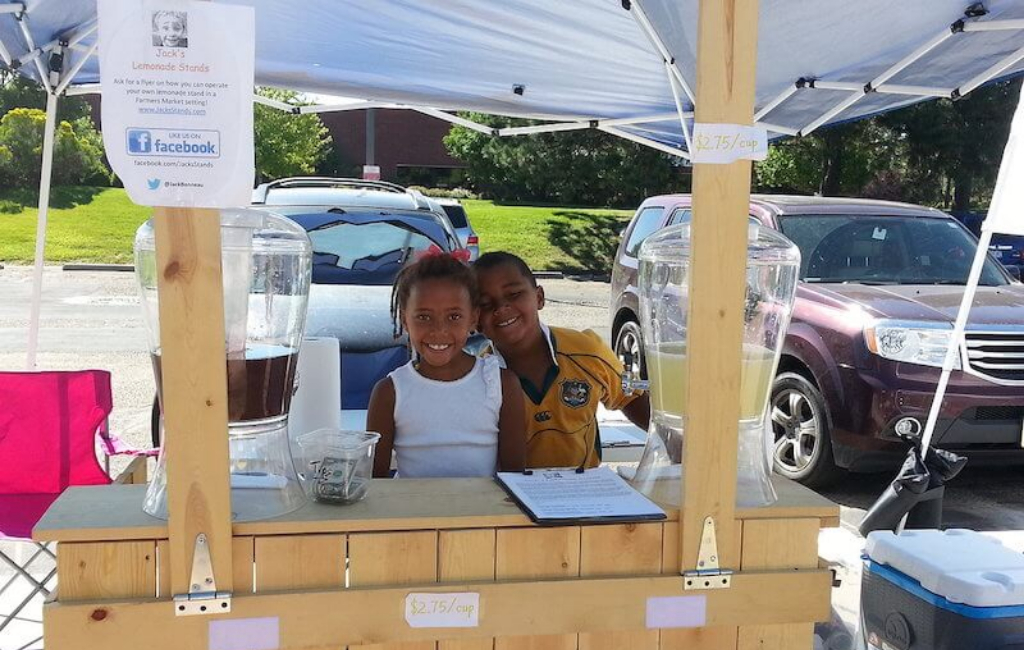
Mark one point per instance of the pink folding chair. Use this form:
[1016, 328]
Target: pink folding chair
[50, 423]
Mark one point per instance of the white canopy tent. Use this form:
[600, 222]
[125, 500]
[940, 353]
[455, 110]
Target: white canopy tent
[626, 67]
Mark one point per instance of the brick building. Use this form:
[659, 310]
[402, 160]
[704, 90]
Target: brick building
[407, 146]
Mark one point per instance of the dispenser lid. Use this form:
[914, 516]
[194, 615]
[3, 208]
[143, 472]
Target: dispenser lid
[960, 565]
[765, 245]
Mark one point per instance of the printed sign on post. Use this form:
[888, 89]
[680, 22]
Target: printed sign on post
[443, 610]
[177, 79]
[725, 143]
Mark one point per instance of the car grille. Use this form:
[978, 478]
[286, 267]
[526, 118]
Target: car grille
[997, 355]
[999, 413]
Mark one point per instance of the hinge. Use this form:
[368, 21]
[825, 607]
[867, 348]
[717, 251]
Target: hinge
[202, 597]
[708, 574]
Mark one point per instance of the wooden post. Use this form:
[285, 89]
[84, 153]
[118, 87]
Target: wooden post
[726, 62]
[194, 379]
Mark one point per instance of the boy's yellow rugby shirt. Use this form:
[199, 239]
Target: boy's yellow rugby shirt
[561, 415]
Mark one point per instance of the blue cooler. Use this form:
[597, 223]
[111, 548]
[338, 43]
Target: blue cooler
[941, 590]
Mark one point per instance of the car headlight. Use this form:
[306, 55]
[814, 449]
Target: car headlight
[911, 342]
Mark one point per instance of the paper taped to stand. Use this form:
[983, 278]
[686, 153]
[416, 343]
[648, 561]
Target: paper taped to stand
[558, 496]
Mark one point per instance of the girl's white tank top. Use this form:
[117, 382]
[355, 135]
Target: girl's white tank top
[447, 428]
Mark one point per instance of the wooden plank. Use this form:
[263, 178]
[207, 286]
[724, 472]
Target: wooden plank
[355, 616]
[299, 562]
[135, 473]
[115, 512]
[241, 558]
[100, 571]
[726, 66]
[794, 636]
[621, 550]
[389, 559]
[537, 553]
[194, 394]
[780, 544]
[466, 555]
[717, 638]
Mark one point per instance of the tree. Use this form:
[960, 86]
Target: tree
[835, 161]
[585, 167]
[287, 144]
[18, 92]
[954, 148]
[77, 156]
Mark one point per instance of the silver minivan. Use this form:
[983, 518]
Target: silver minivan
[460, 221]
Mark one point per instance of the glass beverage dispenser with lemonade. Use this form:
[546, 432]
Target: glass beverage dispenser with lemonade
[266, 262]
[772, 266]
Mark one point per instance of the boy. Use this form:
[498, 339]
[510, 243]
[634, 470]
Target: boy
[564, 373]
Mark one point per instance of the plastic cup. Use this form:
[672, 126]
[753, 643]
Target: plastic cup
[336, 466]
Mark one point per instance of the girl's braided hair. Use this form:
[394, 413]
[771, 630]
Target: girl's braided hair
[431, 267]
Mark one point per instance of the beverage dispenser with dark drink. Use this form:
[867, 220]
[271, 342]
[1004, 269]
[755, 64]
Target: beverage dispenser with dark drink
[772, 265]
[266, 262]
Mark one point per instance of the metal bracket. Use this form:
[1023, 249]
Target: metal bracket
[708, 575]
[202, 598]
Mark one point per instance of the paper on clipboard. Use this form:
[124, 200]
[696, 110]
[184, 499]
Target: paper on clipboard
[561, 495]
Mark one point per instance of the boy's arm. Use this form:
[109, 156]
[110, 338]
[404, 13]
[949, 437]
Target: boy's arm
[636, 408]
[380, 417]
[639, 411]
[511, 424]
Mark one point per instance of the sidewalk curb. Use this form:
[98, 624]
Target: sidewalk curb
[98, 267]
[548, 275]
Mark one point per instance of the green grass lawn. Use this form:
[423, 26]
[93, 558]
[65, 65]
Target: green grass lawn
[85, 224]
[98, 225]
[551, 238]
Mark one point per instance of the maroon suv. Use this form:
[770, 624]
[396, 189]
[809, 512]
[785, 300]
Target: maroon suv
[880, 285]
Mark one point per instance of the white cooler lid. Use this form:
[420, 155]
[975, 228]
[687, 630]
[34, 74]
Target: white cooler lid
[962, 566]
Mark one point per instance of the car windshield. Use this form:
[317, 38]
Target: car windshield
[870, 249]
[368, 253]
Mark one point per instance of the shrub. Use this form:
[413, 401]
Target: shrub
[77, 154]
[9, 207]
[442, 193]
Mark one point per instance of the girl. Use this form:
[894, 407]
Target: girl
[446, 413]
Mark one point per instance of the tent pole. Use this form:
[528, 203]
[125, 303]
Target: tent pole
[44, 208]
[647, 142]
[5, 55]
[956, 340]
[679, 106]
[75, 68]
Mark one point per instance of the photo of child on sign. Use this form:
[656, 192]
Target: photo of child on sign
[170, 29]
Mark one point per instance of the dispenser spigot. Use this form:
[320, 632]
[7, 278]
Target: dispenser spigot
[631, 382]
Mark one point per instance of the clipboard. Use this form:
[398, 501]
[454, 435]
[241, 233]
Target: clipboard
[555, 497]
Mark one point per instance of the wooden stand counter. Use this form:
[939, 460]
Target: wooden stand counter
[575, 586]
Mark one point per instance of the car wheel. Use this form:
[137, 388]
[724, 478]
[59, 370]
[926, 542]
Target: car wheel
[803, 443]
[629, 348]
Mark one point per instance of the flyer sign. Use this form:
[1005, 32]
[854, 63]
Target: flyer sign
[177, 78]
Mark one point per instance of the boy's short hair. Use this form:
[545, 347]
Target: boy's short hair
[495, 259]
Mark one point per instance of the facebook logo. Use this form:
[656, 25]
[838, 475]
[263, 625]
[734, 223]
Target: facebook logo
[139, 141]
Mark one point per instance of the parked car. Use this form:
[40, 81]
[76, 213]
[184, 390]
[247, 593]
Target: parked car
[362, 235]
[880, 286]
[1008, 249]
[457, 215]
[345, 193]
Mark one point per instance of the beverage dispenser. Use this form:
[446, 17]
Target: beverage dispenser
[772, 266]
[266, 261]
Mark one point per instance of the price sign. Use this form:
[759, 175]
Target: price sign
[725, 143]
[443, 610]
